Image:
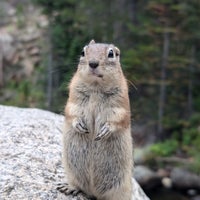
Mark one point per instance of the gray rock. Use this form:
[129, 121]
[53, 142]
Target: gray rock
[184, 179]
[30, 151]
[196, 198]
[146, 177]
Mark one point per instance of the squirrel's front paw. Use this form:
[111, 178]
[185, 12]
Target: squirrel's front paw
[104, 131]
[80, 126]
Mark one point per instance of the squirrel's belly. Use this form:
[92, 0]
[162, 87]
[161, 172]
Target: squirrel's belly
[108, 165]
[97, 166]
[79, 158]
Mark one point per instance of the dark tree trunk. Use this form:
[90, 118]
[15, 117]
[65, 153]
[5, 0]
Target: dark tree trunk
[1, 68]
[49, 73]
[133, 11]
[162, 98]
[190, 82]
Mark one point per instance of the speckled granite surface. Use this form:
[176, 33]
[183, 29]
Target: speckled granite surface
[30, 155]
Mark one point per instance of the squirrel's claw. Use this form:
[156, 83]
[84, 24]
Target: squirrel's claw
[80, 126]
[104, 132]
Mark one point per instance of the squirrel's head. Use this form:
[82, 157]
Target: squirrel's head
[100, 63]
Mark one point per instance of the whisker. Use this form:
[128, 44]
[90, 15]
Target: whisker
[132, 84]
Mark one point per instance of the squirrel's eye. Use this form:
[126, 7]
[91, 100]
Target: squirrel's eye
[83, 53]
[110, 54]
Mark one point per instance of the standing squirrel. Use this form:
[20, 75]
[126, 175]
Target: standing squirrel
[97, 139]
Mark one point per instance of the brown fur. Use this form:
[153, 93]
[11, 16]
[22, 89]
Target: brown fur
[97, 139]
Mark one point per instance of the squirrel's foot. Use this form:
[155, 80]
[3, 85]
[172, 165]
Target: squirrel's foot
[105, 131]
[66, 189]
[80, 126]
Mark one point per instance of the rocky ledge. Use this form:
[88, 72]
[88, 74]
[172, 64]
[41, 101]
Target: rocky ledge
[30, 165]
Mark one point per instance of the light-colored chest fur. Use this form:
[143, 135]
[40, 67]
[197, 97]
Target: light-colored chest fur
[96, 110]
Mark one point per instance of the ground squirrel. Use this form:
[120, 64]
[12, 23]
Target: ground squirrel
[97, 138]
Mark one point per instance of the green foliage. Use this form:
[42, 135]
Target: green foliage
[197, 103]
[27, 92]
[195, 167]
[20, 16]
[185, 140]
[191, 137]
[195, 120]
[166, 148]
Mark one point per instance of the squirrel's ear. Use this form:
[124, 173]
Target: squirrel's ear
[92, 42]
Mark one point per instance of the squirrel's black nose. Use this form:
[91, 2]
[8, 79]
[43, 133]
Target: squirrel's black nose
[93, 64]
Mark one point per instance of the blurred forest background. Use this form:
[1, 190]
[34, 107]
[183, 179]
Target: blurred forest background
[40, 44]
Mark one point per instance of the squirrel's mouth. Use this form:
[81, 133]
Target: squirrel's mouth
[94, 72]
